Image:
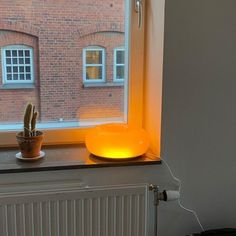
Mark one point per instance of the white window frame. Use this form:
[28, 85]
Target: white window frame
[117, 64]
[133, 95]
[4, 65]
[85, 65]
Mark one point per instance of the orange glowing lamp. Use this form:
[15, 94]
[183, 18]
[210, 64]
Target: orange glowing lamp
[117, 141]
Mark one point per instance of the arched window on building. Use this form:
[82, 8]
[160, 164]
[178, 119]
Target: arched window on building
[17, 64]
[119, 64]
[94, 64]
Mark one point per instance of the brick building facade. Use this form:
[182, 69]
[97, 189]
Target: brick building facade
[58, 31]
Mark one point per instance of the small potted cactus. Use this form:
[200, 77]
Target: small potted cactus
[30, 140]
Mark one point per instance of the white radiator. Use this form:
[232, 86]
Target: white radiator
[98, 211]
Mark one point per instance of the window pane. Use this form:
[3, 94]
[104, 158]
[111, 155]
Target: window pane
[14, 60]
[15, 76]
[15, 69]
[8, 61]
[94, 72]
[93, 57]
[27, 53]
[120, 57]
[20, 53]
[22, 77]
[28, 77]
[22, 69]
[58, 54]
[120, 72]
[27, 68]
[8, 53]
[21, 61]
[14, 53]
[27, 60]
[8, 69]
[9, 77]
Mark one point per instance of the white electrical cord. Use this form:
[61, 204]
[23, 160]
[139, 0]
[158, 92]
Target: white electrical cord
[180, 185]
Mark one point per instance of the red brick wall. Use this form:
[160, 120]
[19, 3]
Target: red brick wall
[102, 102]
[12, 100]
[58, 31]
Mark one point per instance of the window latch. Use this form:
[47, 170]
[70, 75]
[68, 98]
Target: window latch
[138, 10]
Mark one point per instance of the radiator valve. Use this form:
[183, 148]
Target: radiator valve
[166, 195]
[169, 195]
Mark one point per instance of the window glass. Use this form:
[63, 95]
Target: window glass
[93, 73]
[94, 57]
[120, 57]
[17, 64]
[120, 72]
[62, 55]
[94, 64]
[119, 64]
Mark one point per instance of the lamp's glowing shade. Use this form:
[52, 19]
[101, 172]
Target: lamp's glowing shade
[117, 141]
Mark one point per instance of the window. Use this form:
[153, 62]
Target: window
[68, 108]
[17, 64]
[119, 64]
[94, 64]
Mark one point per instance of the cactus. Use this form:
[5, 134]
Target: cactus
[33, 123]
[30, 118]
[27, 119]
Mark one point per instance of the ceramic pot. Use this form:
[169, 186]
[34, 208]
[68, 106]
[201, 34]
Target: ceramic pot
[30, 146]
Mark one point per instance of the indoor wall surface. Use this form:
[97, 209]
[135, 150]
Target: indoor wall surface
[199, 112]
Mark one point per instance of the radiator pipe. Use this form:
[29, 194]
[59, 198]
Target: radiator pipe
[157, 197]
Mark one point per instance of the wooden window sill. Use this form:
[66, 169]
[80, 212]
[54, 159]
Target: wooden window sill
[64, 158]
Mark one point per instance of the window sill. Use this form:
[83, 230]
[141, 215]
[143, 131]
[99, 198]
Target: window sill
[64, 158]
[103, 84]
[17, 86]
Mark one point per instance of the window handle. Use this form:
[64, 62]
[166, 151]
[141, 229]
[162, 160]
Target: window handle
[138, 10]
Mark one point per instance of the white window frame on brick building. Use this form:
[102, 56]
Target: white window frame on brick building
[116, 64]
[18, 68]
[95, 65]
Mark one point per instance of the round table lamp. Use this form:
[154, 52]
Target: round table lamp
[117, 141]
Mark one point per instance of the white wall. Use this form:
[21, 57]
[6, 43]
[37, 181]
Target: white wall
[199, 110]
